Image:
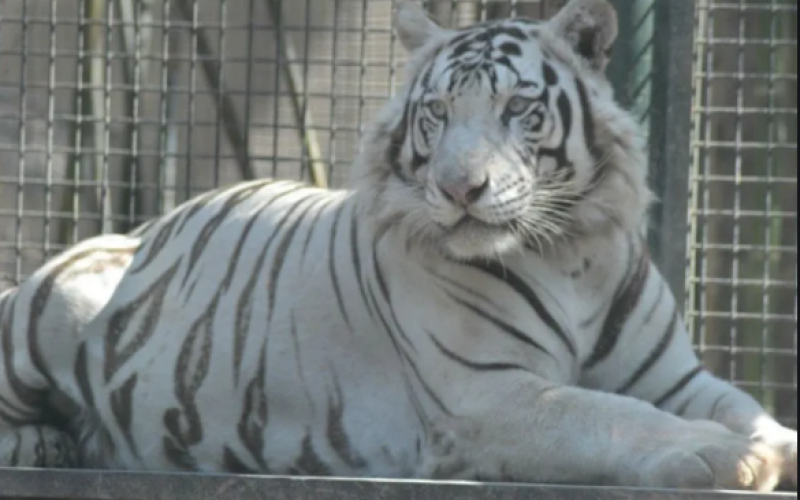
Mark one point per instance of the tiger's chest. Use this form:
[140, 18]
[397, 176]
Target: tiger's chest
[530, 312]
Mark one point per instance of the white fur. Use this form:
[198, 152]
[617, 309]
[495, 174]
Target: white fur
[476, 144]
[272, 327]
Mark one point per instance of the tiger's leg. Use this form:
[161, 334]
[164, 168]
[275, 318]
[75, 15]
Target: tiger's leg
[511, 425]
[22, 443]
[38, 446]
[657, 364]
[41, 324]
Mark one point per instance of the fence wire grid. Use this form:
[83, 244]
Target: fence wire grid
[113, 111]
[742, 277]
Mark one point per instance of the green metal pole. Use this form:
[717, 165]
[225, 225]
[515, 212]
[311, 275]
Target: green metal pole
[651, 70]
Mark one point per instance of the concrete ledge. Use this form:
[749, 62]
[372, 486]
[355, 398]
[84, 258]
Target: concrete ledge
[20, 484]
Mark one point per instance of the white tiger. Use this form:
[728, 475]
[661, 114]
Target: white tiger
[481, 305]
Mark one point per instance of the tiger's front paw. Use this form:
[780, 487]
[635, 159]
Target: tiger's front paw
[706, 456]
[784, 442]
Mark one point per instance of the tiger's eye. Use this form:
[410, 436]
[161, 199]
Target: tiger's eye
[518, 105]
[438, 108]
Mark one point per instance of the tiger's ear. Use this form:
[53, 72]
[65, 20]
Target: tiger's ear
[591, 28]
[413, 25]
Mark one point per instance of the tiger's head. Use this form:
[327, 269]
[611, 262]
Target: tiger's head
[506, 136]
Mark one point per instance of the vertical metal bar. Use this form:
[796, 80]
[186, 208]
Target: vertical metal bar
[129, 31]
[277, 25]
[23, 143]
[51, 83]
[781, 217]
[248, 84]
[362, 66]
[144, 58]
[696, 300]
[793, 343]
[392, 58]
[651, 71]
[710, 325]
[72, 200]
[135, 20]
[168, 133]
[5, 280]
[788, 66]
[483, 10]
[769, 199]
[670, 134]
[305, 123]
[333, 137]
[191, 13]
[102, 114]
[220, 91]
[734, 340]
[128, 34]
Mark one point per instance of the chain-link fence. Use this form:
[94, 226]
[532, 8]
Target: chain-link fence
[742, 284]
[112, 111]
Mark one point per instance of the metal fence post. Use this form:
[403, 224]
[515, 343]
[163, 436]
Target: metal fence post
[652, 71]
[670, 149]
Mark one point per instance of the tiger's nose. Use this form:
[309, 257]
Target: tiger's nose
[464, 192]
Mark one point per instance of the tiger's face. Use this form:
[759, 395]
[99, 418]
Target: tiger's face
[496, 145]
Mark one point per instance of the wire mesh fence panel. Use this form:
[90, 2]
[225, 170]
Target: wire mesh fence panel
[743, 244]
[114, 111]
[131, 107]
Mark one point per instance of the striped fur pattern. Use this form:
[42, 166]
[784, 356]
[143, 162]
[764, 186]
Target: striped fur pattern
[42, 323]
[480, 305]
